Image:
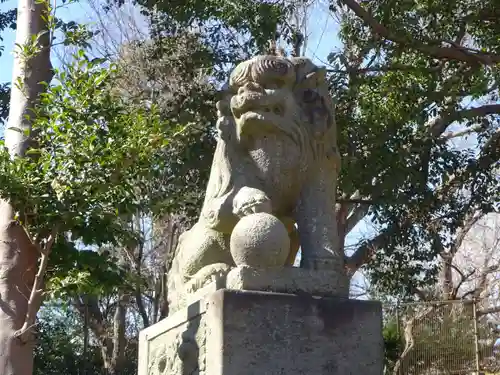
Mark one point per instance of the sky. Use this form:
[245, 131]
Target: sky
[8, 42]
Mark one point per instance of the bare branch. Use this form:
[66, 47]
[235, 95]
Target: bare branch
[384, 69]
[483, 280]
[466, 227]
[463, 278]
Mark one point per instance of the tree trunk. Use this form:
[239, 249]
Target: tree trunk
[18, 263]
[18, 256]
[119, 338]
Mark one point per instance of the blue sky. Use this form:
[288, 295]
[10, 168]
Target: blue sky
[8, 43]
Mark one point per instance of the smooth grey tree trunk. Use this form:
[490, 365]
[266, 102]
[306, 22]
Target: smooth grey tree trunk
[18, 256]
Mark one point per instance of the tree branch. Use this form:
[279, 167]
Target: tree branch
[491, 310]
[436, 50]
[384, 69]
[439, 125]
[461, 133]
[141, 307]
[490, 154]
[356, 215]
[363, 253]
[357, 201]
[463, 278]
[466, 227]
[95, 317]
[483, 283]
[37, 293]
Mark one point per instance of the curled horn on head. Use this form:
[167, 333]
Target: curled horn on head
[239, 75]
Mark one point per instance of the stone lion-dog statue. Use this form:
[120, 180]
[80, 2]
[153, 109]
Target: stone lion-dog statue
[276, 163]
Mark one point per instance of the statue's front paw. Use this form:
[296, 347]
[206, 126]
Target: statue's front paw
[250, 201]
[253, 208]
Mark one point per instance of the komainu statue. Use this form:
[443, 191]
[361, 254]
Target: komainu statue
[271, 188]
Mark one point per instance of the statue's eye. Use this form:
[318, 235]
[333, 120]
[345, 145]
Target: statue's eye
[309, 96]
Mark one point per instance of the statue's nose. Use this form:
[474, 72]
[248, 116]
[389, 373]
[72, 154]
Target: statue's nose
[251, 87]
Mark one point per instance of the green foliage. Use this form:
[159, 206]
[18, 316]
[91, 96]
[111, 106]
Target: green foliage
[257, 19]
[74, 34]
[94, 165]
[393, 344]
[233, 30]
[396, 99]
[74, 271]
[192, 47]
[173, 74]
[4, 101]
[60, 346]
[8, 20]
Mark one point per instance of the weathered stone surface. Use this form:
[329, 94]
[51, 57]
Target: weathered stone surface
[260, 240]
[287, 280]
[176, 345]
[258, 333]
[276, 154]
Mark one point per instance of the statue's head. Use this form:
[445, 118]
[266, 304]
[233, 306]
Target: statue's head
[278, 94]
[276, 120]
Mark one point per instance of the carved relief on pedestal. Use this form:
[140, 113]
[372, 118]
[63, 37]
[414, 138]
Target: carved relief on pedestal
[179, 351]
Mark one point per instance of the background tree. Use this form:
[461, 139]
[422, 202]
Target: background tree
[90, 160]
[418, 116]
[437, 334]
[408, 90]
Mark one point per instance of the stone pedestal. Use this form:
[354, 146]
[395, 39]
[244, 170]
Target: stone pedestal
[231, 332]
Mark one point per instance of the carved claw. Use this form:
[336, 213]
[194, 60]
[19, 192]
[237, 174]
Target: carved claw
[250, 201]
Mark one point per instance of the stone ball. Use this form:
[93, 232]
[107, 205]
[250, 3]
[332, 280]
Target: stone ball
[260, 240]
